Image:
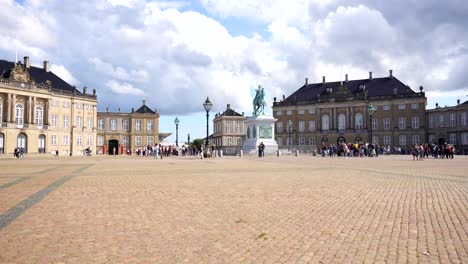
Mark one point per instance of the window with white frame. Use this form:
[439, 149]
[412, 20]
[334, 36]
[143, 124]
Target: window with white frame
[415, 122]
[453, 138]
[101, 124]
[312, 126]
[402, 140]
[325, 123]
[386, 108]
[90, 107]
[65, 140]
[416, 139]
[387, 140]
[300, 112]
[79, 106]
[279, 127]
[65, 121]
[66, 104]
[464, 119]
[414, 106]
[138, 141]
[149, 125]
[464, 138]
[228, 127]
[386, 123]
[39, 116]
[19, 115]
[53, 140]
[301, 126]
[289, 112]
[229, 141]
[375, 139]
[341, 122]
[302, 141]
[125, 141]
[359, 121]
[79, 140]
[100, 141]
[431, 139]
[402, 106]
[54, 120]
[279, 113]
[79, 123]
[402, 122]
[113, 124]
[312, 141]
[311, 111]
[138, 126]
[125, 125]
[90, 140]
[54, 103]
[149, 141]
[431, 121]
[89, 122]
[441, 120]
[453, 120]
[374, 123]
[238, 128]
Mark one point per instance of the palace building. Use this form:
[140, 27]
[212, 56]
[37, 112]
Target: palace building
[41, 113]
[350, 111]
[228, 130]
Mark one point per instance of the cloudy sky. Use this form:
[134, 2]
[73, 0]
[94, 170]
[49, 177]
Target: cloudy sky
[175, 53]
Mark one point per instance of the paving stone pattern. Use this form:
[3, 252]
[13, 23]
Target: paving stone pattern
[234, 210]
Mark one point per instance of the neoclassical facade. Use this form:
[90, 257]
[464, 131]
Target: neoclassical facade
[228, 128]
[123, 131]
[336, 112]
[41, 113]
[449, 125]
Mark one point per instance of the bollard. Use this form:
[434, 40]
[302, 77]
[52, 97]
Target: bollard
[215, 153]
[241, 153]
[296, 153]
[278, 153]
[221, 153]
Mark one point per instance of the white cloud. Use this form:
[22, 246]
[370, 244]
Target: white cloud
[123, 88]
[64, 74]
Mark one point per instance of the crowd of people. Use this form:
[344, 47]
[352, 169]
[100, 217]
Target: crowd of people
[158, 151]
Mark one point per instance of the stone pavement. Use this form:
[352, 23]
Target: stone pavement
[232, 210]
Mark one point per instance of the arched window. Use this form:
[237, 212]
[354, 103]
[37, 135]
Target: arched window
[359, 122]
[23, 142]
[1, 115]
[325, 123]
[341, 122]
[39, 116]
[19, 114]
[41, 143]
[2, 146]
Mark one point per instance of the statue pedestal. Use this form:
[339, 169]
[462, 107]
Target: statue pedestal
[260, 129]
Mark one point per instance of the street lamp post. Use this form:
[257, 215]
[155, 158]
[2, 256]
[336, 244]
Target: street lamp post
[289, 134]
[207, 105]
[370, 109]
[177, 122]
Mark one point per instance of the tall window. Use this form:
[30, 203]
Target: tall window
[387, 140]
[402, 123]
[374, 123]
[138, 141]
[149, 141]
[229, 141]
[464, 138]
[402, 139]
[125, 141]
[325, 123]
[19, 114]
[65, 140]
[54, 120]
[431, 121]
[100, 141]
[149, 125]
[113, 124]
[441, 120]
[89, 122]
[53, 140]
[453, 138]
[125, 124]
[341, 122]
[416, 139]
[464, 119]
[312, 141]
[79, 122]
[228, 127]
[79, 140]
[65, 121]
[279, 126]
[415, 122]
[101, 124]
[90, 140]
[312, 126]
[138, 126]
[375, 139]
[238, 128]
[359, 122]
[301, 126]
[453, 120]
[431, 139]
[280, 141]
[301, 141]
[1, 115]
[386, 123]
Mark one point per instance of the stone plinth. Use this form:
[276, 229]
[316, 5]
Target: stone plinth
[260, 129]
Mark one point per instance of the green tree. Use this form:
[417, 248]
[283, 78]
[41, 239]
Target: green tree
[197, 142]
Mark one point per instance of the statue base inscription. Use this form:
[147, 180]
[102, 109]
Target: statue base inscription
[260, 129]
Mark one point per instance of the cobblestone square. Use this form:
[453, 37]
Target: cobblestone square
[286, 209]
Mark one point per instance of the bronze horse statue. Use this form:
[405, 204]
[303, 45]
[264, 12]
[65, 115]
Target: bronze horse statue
[259, 102]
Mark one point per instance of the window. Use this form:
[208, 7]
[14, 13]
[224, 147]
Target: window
[312, 141]
[312, 126]
[229, 141]
[113, 124]
[359, 121]
[464, 119]
[65, 140]
[100, 141]
[149, 141]
[416, 139]
[138, 126]
[279, 113]
[138, 141]
[125, 124]
[387, 140]
[453, 138]
[375, 139]
[431, 139]
[90, 107]
[79, 123]
[280, 141]
[79, 106]
[402, 140]
[54, 120]
[301, 112]
[431, 121]
[228, 127]
[441, 120]
[414, 106]
[464, 138]
[386, 123]
[386, 108]
[402, 107]
[279, 127]
[90, 140]
[54, 103]
[289, 112]
[238, 128]
[19, 115]
[65, 121]
[53, 140]
[301, 141]
[374, 123]
[341, 122]
[301, 126]
[415, 122]
[89, 122]
[325, 123]
[402, 122]
[1, 115]
[79, 140]
[66, 104]
[149, 125]
[101, 124]
[453, 120]
[311, 111]
[125, 141]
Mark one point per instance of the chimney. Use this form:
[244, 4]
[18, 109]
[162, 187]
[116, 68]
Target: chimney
[346, 77]
[107, 109]
[458, 101]
[390, 74]
[323, 79]
[437, 105]
[26, 62]
[94, 91]
[46, 66]
[421, 89]
[144, 102]
[84, 89]
[228, 106]
[306, 81]
[370, 75]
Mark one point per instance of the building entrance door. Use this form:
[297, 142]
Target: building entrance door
[23, 142]
[113, 146]
[41, 143]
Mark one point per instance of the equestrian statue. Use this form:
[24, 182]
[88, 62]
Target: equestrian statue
[259, 102]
